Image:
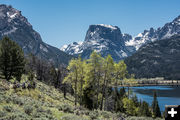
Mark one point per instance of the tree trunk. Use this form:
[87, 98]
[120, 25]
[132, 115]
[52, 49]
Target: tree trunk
[103, 92]
[76, 88]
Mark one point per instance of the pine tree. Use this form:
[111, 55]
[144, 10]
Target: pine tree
[144, 109]
[155, 106]
[12, 60]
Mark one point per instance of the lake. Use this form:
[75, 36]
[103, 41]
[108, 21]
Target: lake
[167, 95]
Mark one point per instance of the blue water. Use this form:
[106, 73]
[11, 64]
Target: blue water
[167, 95]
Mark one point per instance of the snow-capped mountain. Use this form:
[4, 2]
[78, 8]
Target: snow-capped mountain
[107, 39]
[17, 27]
[104, 39]
[167, 31]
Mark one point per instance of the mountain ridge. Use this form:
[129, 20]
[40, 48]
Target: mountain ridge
[14, 25]
[132, 44]
[157, 59]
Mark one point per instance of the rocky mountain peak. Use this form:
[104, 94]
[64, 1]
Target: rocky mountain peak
[104, 39]
[177, 19]
[168, 30]
[102, 31]
[10, 16]
[14, 25]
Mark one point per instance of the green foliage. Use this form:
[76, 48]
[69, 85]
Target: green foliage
[11, 59]
[120, 72]
[135, 101]
[72, 117]
[2, 114]
[93, 115]
[92, 79]
[25, 105]
[8, 108]
[28, 109]
[155, 106]
[66, 108]
[144, 110]
[129, 106]
[76, 77]
[142, 118]
[106, 114]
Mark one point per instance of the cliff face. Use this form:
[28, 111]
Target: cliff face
[104, 39]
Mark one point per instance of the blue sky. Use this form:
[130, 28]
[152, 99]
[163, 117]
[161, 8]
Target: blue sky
[61, 22]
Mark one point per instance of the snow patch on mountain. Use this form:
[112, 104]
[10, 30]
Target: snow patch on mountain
[73, 48]
[168, 30]
[104, 39]
[10, 31]
[12, 16]
[43, 48]
[108, 26]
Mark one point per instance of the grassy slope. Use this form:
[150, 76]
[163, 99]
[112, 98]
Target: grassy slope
[44, 103]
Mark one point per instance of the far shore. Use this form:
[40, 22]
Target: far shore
[156, 82]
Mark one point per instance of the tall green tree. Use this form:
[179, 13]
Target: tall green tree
[155, 106]
[12, 60]
[108, 72]
[120, 72]
[81, 80]
[73, 76]
[144, 109]
[93, 78]
[76, 78]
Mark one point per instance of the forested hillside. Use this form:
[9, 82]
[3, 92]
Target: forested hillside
[157, 59]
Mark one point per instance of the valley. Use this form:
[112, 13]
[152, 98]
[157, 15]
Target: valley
[110, 75]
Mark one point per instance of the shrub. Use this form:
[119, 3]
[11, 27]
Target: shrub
[71, 117]
[28, 109]
[18, 100]
[8, 108]
[66, 108]
[80, 111]
[141, 118]
[94, 115]
[2, 114]
[106, 114]
[17, 115]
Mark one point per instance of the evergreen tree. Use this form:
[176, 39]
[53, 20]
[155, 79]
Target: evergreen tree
[135, 100]
[155, 106]
[144, 109]
[12, 60]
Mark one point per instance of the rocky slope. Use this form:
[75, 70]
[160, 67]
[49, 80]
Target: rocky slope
[157, 59]
[17, 27]
[104, 39]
